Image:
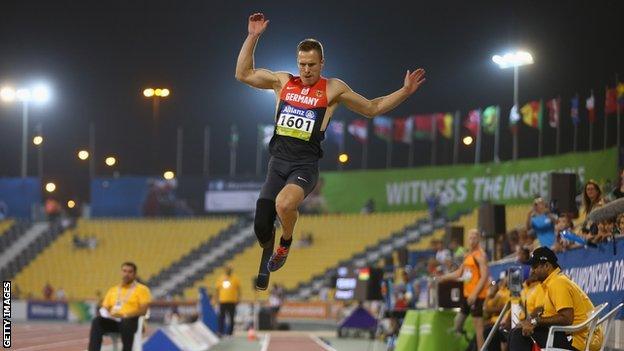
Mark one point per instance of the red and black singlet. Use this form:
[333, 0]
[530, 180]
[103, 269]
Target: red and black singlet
[300, 114]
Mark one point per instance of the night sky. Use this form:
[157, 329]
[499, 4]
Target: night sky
[99, 56]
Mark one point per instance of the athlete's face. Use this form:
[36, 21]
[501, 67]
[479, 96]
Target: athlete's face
[310, 66]
[474, 239]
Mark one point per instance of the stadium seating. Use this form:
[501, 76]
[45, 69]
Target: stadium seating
[336, 237]
[152, 244]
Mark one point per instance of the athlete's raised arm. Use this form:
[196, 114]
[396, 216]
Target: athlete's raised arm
[245, 71]
[371, 108]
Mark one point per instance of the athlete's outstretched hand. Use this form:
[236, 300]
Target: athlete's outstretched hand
[257, 23]
[413, 80]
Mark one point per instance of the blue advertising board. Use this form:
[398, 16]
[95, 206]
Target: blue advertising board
[597, 271]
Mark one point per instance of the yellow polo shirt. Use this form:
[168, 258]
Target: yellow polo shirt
[130, 298]
[228, 288]
[534, 296]
[560, 292]
[500, 299]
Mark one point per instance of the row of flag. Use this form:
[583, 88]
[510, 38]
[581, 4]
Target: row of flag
[424, 127]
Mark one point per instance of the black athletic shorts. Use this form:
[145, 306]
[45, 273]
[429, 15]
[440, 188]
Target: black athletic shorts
[281, 172]
[475, 310]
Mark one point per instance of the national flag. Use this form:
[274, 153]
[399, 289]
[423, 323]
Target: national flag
[423, 126]
[403, 129]
[359, 129]
[610, 101]
[234, 135]
[554, 106]
[591, 111]
[489, 119]
[574, 112]
[265, 133]
[472, 121]
[514, 117]
[445, 124]
[620, 94]
[382, 127]
[532, 114]
[335, 133]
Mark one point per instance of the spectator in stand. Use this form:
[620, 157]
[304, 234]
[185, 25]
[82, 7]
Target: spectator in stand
[48, 291]
[542, 222]
[618, 191]
[620, 223]
[592, 199]
[442, 255]
[564, 226]
[369, 207]
[457, 251]
[60, 294]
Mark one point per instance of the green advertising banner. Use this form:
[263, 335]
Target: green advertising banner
[432, 330]
[460, 187]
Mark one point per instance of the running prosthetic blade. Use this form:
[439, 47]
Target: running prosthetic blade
[262, 280]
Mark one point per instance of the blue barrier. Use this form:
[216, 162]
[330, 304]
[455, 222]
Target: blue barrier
[597, 271]
[18, 195]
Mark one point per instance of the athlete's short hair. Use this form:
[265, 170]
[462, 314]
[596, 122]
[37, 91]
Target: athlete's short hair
[310, 44]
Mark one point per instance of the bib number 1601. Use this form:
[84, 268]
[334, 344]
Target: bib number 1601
[295, 122]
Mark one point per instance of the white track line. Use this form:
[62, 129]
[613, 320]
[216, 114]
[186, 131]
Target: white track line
[265, 342]
[321, 343]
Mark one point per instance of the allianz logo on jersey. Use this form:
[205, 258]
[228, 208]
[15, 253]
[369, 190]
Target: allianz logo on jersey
[299, 112]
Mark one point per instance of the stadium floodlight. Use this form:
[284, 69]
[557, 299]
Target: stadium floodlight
[110, 161]
[37, 140]
[514, 60]
[343, 158]
[39, 93]
[168, 175]
[7, 94]
[83, 154]
[156, 94]
[50, 187]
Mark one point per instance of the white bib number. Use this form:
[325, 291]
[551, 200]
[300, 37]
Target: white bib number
[296, 126]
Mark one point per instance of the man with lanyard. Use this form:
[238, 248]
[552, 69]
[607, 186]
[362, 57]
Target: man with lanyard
[563, 303]
[121, 308]
[474, 273]
[304, 106]
[228, 294]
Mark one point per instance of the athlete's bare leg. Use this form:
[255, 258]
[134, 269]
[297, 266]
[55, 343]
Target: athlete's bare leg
[286, 204]
[478, 324]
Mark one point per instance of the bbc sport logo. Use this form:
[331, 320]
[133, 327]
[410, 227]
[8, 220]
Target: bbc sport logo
[6, 314]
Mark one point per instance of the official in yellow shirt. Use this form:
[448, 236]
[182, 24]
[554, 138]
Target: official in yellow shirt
[564, 303]
[121, 308]
[228, 295]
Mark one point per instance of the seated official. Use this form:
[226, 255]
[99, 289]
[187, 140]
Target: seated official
[563, 302]
[121, 308]
[498, 296]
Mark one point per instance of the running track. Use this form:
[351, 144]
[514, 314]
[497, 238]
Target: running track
[75, 337]
[52, 337]
[285, 342]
